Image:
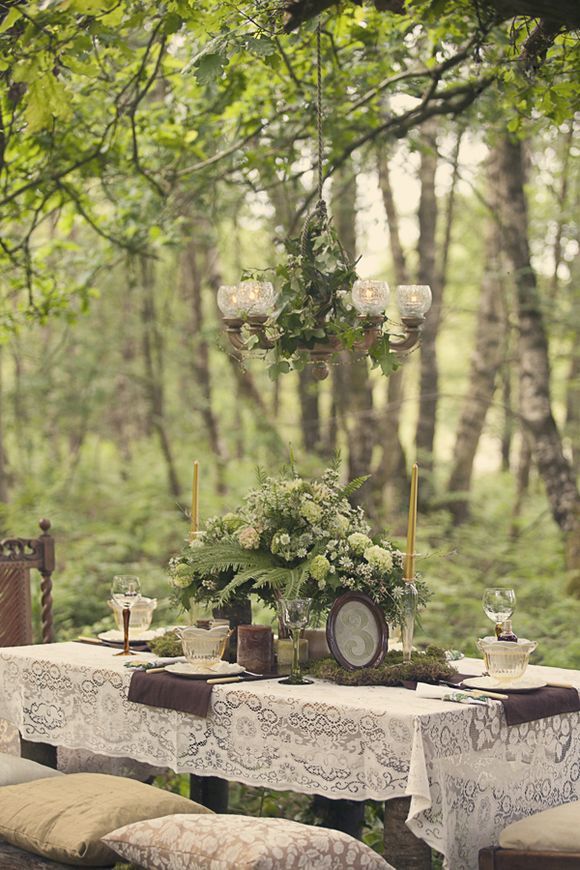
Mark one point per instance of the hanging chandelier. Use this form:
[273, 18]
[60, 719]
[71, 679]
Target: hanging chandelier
[320, 307]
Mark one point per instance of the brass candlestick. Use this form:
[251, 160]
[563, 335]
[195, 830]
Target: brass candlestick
[195, 502]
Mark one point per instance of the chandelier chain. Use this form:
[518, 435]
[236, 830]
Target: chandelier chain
[319, 111]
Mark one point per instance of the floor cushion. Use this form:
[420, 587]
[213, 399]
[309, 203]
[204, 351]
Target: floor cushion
[15, 770]
[64, 818]
[230, 842]
[554, 830]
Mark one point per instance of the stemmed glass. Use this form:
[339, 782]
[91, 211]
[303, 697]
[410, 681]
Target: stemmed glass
[126, 591]
[499, 604]
[295, 613]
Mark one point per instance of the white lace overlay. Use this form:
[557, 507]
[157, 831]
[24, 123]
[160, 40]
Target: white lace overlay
[468, 773]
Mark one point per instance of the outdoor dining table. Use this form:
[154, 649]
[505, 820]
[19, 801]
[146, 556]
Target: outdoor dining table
[467, 773]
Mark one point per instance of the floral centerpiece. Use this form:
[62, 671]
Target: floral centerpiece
[292, 537]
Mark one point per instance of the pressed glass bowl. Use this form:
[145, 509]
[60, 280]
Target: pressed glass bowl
[141, 614]
[204, 647]
[506, 661]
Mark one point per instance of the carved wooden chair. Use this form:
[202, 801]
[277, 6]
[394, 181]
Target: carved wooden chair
[18, 556]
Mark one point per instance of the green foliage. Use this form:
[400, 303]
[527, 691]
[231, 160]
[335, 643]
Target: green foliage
[292, 537]
[429, 666]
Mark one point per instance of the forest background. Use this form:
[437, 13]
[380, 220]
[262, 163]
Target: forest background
[150, 152]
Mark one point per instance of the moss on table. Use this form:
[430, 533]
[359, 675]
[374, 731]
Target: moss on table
[429, 666]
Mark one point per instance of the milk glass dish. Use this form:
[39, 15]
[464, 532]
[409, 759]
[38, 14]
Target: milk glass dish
[204, 647]
[506, 661]
[141, 615]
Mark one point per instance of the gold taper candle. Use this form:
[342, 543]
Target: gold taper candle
[412, 526]
[195, 500]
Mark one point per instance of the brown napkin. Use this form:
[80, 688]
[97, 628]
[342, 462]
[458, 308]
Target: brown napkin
[173, 693]
[540, 704]
[527, 706]
[176, 693]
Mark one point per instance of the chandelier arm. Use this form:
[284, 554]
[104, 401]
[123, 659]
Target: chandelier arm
[413, 326]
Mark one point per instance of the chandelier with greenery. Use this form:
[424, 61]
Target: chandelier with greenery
[320, 306]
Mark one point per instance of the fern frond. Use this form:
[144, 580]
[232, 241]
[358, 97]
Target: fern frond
[261, 475]
[224, 556]
[353, 485]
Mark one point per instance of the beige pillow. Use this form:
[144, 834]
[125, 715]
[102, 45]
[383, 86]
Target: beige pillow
[555, 830]
[14, 770]
[64, 818]
[239, 843]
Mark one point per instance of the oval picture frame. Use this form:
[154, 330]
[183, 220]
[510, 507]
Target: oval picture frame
[356, 631]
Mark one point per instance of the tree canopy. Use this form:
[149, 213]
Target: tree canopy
[118, 114]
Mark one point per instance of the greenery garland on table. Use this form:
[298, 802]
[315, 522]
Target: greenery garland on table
[292, 537]
[425, 667]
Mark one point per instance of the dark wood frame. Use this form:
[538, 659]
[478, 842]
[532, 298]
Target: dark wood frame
[495, 858]
[381, 624]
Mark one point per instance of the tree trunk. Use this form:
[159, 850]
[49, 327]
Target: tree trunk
[308, 393]
[3, 463]
[535, 403]
[358, 404]
[522, 483]
[508, 415]
[573, 407]
[153, 359]
[484, 366]
[391, 473]
[561, 198]
[429, 376]
[191, 272]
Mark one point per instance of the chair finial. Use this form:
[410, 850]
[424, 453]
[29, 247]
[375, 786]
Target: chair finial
[44, 525]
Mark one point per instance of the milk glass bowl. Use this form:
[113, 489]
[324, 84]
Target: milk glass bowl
[203, 647]
[505, 660]
[141, 615]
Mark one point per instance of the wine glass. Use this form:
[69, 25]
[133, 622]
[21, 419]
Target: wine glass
[499, 604]
[295, 613]
[126, 591]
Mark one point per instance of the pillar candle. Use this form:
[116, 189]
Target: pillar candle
[255, 648]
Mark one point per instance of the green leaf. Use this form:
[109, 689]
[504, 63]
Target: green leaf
[210, 67]
[13, 15]
[354, 485]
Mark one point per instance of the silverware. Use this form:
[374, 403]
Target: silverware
[217, 680]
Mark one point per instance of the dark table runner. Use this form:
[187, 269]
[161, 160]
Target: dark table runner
[540, 704]
[529, 706]
[178, 693]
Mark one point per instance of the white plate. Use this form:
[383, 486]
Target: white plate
[527, 684]
[184, 669]
[114, 636]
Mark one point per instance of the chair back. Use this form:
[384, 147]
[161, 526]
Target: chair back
[18, 556]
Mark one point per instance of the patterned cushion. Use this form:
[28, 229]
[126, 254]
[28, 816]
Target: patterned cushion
[555, 830]
[64, 818]
[239, 843]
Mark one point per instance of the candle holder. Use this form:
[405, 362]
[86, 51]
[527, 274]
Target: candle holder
[295, 612]
[408, 618]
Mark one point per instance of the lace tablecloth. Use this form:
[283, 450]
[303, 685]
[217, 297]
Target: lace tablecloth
[468, 774]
